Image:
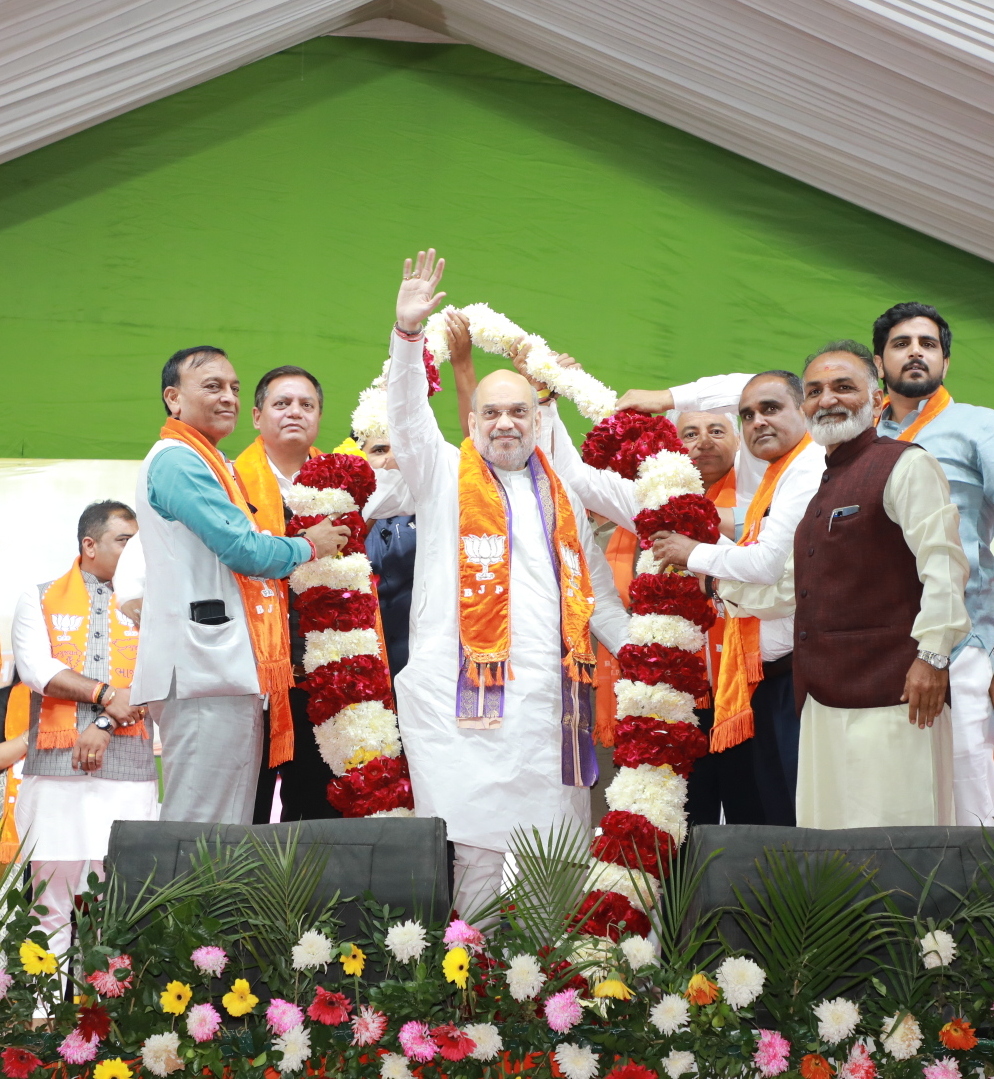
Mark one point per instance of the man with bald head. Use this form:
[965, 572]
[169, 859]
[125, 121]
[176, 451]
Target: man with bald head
[494, 704]
[875, 582]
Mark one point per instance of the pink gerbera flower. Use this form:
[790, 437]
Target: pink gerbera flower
[105, 982]
[368, 1026]
[202, 1022]
[210, 960]
[947, 1068]
[563, 1011]
[415, 1040]
[282, 1016]
[461, 934]
[75, 1049]
[772, 1054]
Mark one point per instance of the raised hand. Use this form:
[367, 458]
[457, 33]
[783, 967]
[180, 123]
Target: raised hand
[457, 332]
[417, 297]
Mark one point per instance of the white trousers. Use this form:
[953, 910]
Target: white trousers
[478, 874]
[973, 751]
[211, 751]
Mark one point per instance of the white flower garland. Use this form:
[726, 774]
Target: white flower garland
[309, 501]
[671, 630]
[661, 702]
[664, 476]
[363, 728]
[658, 794]
[351, 573]
[640, 889]
[331, 645]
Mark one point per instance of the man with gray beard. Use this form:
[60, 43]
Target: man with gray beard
[875, 583]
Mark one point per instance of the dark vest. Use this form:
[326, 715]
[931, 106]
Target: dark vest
[856, 584]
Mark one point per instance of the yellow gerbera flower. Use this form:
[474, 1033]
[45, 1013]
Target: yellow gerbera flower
[35, 959]
[613, 987]
[354, 961]
[175, 997]
[455, 966]
[240, 1000]
[112, 1069]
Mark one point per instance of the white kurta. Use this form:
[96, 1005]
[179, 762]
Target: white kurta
[484, 783]
[869, 767]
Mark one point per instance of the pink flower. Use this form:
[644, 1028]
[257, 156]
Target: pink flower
[75, 1049]
[947, 1068]
[772, 1054]
[368, 1026]
[859, 1065]
[6, 981]
[462, 934]
[415, 1040]
[562, 1010]
[202, 1022]
[210, 960]
[282, 1016]
[104, 981]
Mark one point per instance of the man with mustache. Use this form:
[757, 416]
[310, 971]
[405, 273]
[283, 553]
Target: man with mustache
[494, 704]
[911, 343]
[875, 582]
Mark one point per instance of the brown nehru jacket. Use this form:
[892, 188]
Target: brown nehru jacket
[855, 582]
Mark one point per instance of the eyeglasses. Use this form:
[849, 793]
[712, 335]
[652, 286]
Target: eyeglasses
[519, 412]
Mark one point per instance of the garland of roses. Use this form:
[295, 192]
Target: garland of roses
[657, 738]
[348, 685]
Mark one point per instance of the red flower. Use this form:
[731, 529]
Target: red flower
[643, 740]
[332, 1009]
[630, 840]
[19, 1063]
[669, 593]
[611, 915]
[356, 543]
[452, 1043]
[383, 783]
[958, 1034]
[334, 685]
[431, 370]
[335, 608]
[93, 1022]
[690, 515]
[815, 1066]
[623, 441]
[342, 470]
[655, 663]
[632, 1071]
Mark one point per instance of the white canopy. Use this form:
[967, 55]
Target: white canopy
[886, 103]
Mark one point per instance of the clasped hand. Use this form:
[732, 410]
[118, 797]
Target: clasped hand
[672, 549]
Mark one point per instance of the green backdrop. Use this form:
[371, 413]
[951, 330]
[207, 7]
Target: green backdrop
[268, 212]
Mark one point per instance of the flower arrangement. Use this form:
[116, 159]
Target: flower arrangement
[348, 686]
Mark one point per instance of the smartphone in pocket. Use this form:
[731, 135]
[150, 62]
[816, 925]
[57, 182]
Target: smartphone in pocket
[209, 612]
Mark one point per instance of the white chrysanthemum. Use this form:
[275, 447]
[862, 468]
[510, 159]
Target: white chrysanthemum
[665, 476]
[312, 950]
[576, 1061]
[160, 1054]
[363, 726]
[658, 794]
[436, 337]
[669, 630]
[295, 1046]
[592, 956]
[640, 889]
[646, 563]
[837, 1019]
[331, 645]
[671, 1014]
[351, 572]
[902, 1040]
[741, 980]
[639, 952]
[488, 1040]
[369, 420]
[679, 1063]
[309, 501]
[400, 811]
[492, 331]
[394, 1066]
[665, 703]
[524, 978]
[407, 940]
[938, 949]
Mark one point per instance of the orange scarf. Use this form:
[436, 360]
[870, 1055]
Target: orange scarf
[741, 667]
[722, 492]
[264, 611]
[66, 607]
[485, 575]
[937, 402]
[621, 553]
[16, 724]
[262, 487]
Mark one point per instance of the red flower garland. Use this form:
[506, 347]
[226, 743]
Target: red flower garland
[380, 785]
[690, 515]
[643, 740]
[671, 593]
[346, 471]
[332, 686]
[655, 663]
[341, 609]
[611, 915]
[623, 441]
[630, 840]
[356, 543]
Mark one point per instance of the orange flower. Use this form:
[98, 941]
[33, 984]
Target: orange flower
[815, 1066]
[700, 990]
[958, 1034]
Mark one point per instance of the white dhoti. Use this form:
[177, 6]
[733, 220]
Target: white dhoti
[869, 767]
[973, 749]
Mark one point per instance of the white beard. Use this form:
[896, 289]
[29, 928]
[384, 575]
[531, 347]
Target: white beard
[832, 432]
[509, 460]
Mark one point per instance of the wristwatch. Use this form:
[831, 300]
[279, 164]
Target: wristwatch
[933, 659]
[104, 723]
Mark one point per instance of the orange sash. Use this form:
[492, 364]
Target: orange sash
[937, 402]
[621, 552]
[262, 487]
[485, 575]
[722, 492]
[16, 724]
[66, 607]
[264, 611]
[741, 667]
